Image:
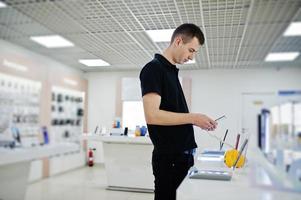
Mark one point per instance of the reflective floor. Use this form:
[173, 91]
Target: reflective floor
[81, 184]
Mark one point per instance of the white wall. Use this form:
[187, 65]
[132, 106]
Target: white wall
[102, 91]
[218, 92]
[102, 97]
[30, 59]
[42, 69]
[214, 92]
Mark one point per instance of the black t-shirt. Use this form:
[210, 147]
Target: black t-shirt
[161, 77]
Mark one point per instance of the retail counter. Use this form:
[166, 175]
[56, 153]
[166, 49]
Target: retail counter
[249, 183]
[15, 167]
[127, 162]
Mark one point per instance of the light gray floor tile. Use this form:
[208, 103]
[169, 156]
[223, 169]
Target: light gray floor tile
[81, 184]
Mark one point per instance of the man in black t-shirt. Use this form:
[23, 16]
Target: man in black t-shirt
[169, 122]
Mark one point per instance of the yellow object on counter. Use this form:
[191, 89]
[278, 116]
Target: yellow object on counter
[137, 131]
[231, 156]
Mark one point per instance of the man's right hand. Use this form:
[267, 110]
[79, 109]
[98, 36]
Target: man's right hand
[204, 122]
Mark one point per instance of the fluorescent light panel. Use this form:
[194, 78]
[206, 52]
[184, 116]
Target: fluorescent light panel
[294, 29]
[2, 4]
[52, 41]
[281, 56]
[94, 62]
[163, 35]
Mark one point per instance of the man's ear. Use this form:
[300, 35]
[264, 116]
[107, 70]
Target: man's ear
[178, 40]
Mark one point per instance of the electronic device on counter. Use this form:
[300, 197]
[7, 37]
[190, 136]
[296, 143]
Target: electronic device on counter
[224, 175]
[116, 132]
[215, 153]
[211, 155]
[211, 174]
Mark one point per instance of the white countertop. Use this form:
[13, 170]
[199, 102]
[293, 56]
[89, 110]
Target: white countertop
[249, 183]
[9, 156]
[240, 187]
[117, 139]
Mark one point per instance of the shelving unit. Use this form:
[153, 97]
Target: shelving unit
[20, 125]
[67, 110]
[20, 109]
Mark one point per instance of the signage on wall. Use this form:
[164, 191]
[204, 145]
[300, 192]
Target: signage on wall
[258, 102]
[70, 82]
[289, 92]
[13, 65]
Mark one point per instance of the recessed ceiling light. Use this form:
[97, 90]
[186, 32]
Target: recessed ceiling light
[294, 29]
[2, 4]
[281, 56]
[190, 62]
[93, 62]
[52, 41]
[163, 35]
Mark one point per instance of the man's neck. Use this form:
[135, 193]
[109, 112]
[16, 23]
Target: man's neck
[168, 55]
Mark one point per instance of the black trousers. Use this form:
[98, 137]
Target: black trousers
[169, 171]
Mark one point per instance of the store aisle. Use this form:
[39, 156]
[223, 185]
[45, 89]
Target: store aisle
[81, 184]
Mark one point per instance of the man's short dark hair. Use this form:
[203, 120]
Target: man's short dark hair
[187, 32]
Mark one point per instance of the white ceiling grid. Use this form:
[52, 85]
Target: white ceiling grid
[239, 33]
[268, 22]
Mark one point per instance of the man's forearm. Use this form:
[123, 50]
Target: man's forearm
[162, 117]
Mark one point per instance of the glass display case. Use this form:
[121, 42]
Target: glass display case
[280, 128]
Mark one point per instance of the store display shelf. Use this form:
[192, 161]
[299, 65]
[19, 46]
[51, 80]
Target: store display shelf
[9, 156]
[117, 139]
